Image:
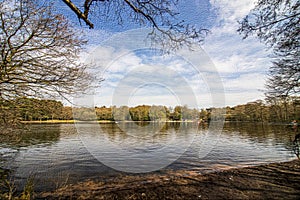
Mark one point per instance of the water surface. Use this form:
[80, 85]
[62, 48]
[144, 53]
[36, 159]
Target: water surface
[55, 155]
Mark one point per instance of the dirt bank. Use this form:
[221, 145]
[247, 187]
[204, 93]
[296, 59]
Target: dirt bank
[272, 181]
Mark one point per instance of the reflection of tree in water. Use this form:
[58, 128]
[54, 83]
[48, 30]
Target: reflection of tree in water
[151, 130]
[24, 138]
[202, 125]
[142, 123]
[296, 140]
[263, 133]
[169, 125]
[32, 135]
[113, 132]
[296, 145]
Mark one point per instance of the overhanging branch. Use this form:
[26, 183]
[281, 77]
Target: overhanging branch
[79, 14]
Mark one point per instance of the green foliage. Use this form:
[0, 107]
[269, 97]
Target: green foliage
[279, 109]
[274, 110]
[27, 109]
[176, 115]
[159, 113]
[9, 114]
[140, 113]
[66, 113]
[104, 113]
[35, 109]
[121, 113]
[84, 114]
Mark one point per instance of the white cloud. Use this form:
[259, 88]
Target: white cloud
[242, 65]
[245, 82]
[178, 80]
[230, 11]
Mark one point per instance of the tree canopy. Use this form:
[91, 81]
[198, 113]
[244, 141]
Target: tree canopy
[161, 15]
[271, 110]
[39, 53]
[277, 23]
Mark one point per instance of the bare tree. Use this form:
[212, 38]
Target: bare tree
[39, 53]
[151, 13]
[277, 23]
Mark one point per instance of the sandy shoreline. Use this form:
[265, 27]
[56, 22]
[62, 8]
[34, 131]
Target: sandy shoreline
[100, 122]
[271, 181]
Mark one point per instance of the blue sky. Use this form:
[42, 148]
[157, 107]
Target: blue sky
[143, 76]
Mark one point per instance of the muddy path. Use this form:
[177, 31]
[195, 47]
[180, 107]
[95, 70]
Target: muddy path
[272, 181]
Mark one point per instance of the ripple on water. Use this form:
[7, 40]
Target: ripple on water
[55, 155]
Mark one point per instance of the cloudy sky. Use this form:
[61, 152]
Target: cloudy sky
[225, 65]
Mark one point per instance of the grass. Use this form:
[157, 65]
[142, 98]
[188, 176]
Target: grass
[57, 121]
[8, 188]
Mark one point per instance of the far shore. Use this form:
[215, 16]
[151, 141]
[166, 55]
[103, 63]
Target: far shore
[58, 121]
[98, 121]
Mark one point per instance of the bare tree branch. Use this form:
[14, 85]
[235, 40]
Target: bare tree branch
[277, 23]
[80, 15]
[39, 52]
[154, 13]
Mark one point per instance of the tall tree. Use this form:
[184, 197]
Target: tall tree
[277, 23]
[39, 52]
[153, 13]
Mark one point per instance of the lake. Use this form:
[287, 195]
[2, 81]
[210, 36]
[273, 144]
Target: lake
[58, 154]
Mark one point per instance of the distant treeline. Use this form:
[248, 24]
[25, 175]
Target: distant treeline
[29, 109]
